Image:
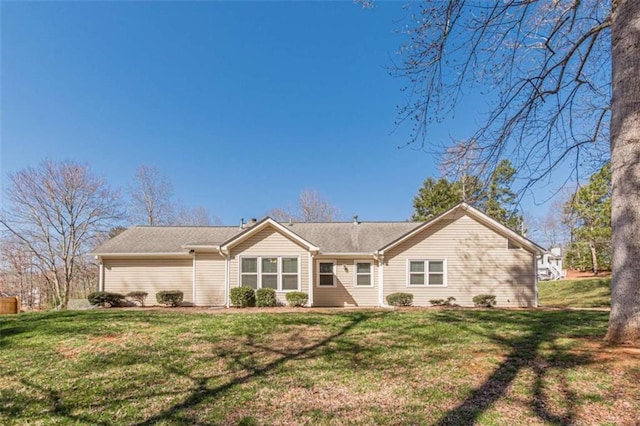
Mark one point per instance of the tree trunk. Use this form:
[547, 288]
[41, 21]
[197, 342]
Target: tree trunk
[594, 258]
[624, 322]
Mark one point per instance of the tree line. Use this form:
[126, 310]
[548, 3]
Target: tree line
[58, 211]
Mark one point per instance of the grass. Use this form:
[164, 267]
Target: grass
[412, 366]
[580, 293]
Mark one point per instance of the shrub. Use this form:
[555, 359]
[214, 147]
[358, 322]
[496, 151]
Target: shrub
[102, 297]
[400, 299]
[297, 298]
[243, 297]
[443, 302]
[484, 300]
[266, 298]
[171, 298]
[138, 296]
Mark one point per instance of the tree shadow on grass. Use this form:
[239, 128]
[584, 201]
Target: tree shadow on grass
[532, 334]
[203, 392]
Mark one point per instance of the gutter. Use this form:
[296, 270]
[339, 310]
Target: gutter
[156, 254]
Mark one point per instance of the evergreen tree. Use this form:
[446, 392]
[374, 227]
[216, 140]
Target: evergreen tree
[497, 201]
[590, 211]
[500, 202]
[435, 197]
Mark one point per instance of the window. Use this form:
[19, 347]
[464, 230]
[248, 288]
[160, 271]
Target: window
[363, 274]
[326, 274]
[289, 273]
[269, 276]
[249, 272]
[416, 273]
[427, 273]
[278, 273]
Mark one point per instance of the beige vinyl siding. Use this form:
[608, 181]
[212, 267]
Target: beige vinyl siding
[478, 261]
[150, 275]
[346, 293]
[210, 283]
[270, 243]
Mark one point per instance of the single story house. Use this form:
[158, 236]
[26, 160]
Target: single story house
[461, 253]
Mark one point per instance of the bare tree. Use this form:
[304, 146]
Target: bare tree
[151, 198]
[282, 214]
[553, 228]
[311, 207]
[56, 211]
[17, 268]
[458, 163]
[197, 216]
[548, 67]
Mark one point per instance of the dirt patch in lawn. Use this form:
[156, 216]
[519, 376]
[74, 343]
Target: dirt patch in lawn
[575, 275]
[105, 343]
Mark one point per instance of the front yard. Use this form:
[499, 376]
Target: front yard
[420, 366]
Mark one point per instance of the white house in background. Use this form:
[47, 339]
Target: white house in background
[461, 253]
[550, 265]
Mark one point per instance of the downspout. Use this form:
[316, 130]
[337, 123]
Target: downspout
[535, 279]
[380, 258]
[226, 276]
[100, 274]
[310, 278]
[193, 278]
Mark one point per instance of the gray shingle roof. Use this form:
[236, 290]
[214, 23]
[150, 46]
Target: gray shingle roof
[165, 239]
[331, 237]
[347, 237]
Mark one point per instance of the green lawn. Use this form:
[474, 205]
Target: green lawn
[413, 366]
[582, 293]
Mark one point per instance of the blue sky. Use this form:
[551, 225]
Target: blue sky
[242, 105]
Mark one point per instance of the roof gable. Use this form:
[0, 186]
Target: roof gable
[478, 216]
[263, 224]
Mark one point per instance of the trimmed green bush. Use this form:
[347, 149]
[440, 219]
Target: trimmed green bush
[449, 301]
[400, 299]
[297, 298]
[102, 297]
[266, 298]
[171, 298]
[138, 296]
[243, 297]
[484, 300]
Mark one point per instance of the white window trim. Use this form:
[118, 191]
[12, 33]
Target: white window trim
[257, 273]
[355, 273]
[426, 273]
[276, 274]
[335, 278]
[279, 274]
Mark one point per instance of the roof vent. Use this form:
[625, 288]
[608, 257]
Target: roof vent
[252, 222]
[242, 223]
[355, 219]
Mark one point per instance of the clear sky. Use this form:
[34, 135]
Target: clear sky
[242, 105]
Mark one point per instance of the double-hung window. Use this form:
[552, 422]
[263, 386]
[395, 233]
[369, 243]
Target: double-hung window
[427, 273]
[269, 273]
[249, 272]
[289, 273]
[326, 274]
[278, 273]
[363, 274]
